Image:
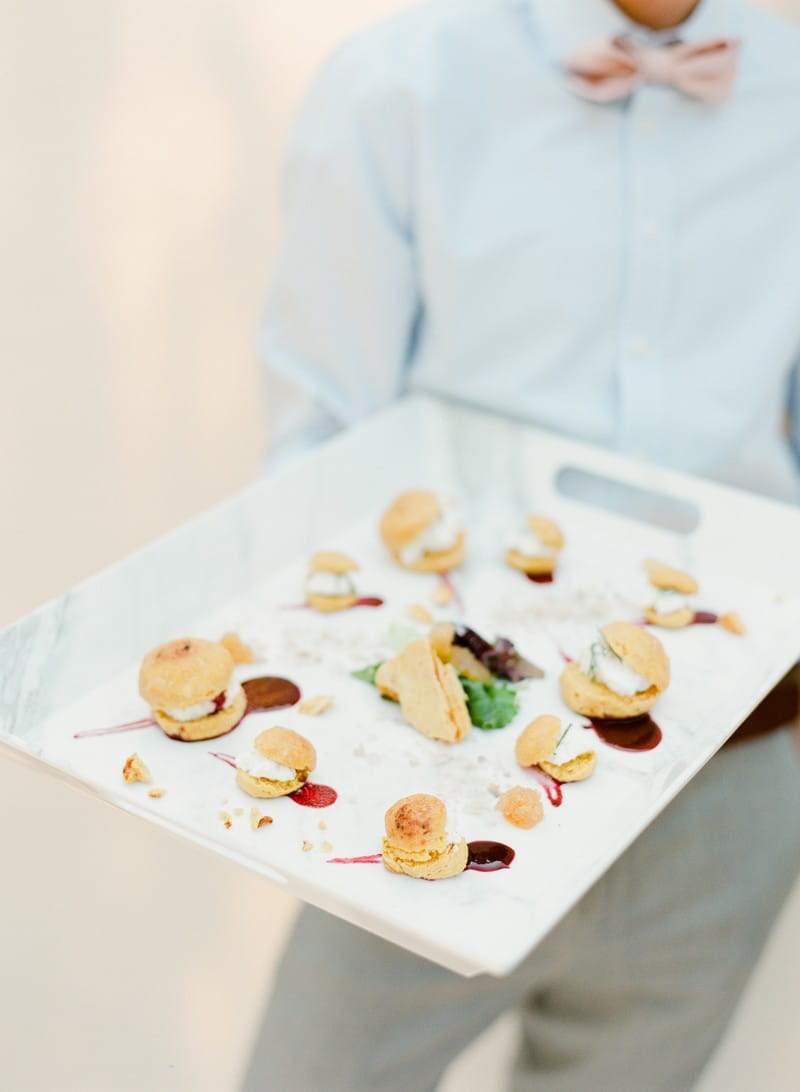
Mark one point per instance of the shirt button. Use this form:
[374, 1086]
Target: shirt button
[651, 231]
[640, 348]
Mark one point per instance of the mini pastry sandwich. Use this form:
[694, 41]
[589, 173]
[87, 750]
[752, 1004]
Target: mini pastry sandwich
[330, 586]
[534, 551]
[278, 764]
[189, 685]
[429, 692]
[619, 675]
[559, 752]
[670, 606]
[422, 534]
[417, 842]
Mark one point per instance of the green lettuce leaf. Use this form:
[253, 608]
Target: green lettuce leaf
[366, 674]
[490, 705]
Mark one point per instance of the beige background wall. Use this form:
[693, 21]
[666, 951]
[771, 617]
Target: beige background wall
[141, 147]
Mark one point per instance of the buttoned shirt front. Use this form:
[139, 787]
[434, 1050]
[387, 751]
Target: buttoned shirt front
[458, 221]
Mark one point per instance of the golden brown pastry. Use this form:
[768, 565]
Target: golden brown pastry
[417, 842]
[329, 586]
[421, 534]
[670, 607]
[429, 693]
[559, 752]
[621, 673]
[189, 685]
[535, 551]
[522, 807]
[278, 764]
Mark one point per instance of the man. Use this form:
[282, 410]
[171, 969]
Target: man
[588, 213]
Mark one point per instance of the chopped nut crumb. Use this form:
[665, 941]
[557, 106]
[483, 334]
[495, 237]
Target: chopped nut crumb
[307, 846]
[241, 653]
[442, 594]
[157, 793]
[326, 847]
[419, 613]
[322, 824]
[238, 811]
[226, 819]
[135, 770]
[258, 820]
[732, 622]
[312, 707]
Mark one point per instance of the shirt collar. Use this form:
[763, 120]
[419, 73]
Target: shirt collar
[567, 24]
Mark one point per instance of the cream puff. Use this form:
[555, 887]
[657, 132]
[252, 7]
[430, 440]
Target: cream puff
[189, 685]
[534, 551]
[428, 690]
[619, 675]
[560, 753]
[670, 606]
[422, 534]
[329, 586]
[278, 764]
[417, 842]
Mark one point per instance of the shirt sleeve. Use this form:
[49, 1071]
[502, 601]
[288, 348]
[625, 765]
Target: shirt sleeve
[340, 317]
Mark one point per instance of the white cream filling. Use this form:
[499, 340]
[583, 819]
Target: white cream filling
[602, 664]
[529, 544]
[258, 765]
[205, 708]
[572, 742]
[667, 600]
[328, 583]
[436, 538]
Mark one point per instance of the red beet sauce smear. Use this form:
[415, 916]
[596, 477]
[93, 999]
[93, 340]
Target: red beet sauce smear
[269, 692]
[489, 856]
[368, 601]
[704, 618]
[552, 788]
[310, 795]
[540, 578]
[628, 733]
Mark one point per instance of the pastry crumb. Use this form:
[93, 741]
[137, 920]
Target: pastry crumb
[322, 824]
[238, 811]
[732, 622]
[312, 707]
[157, 793]
[226, 819]
[135, 770]
[241, 653]
[522, 807]
[419, 613]
[307, 845]
[326, 847]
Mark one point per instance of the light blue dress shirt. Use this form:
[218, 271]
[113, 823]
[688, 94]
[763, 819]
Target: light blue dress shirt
[458, 221]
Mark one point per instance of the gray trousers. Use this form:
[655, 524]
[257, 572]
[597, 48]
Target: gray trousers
[630, 992]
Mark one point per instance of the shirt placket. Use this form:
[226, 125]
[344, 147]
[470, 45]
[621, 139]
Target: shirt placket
[648, 254]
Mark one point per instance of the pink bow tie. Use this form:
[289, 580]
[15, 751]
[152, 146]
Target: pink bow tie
[611, 68]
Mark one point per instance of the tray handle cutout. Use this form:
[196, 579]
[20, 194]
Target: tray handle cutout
[623, 499]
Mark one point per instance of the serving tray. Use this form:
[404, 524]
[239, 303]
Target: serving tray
[71, 666]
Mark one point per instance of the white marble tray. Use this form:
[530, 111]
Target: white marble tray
[72, 665]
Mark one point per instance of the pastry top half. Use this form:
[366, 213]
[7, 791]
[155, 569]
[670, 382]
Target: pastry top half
[640, 650]
[670, 579]
[331, 561]
[546, 531]
[287, 748]
[185, 672]
[407, 517]
[417, 824]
